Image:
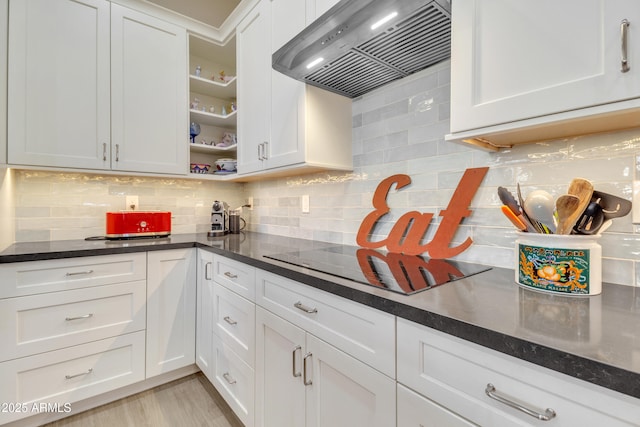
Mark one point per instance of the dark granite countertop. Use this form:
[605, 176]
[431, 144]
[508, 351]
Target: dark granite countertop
[595, 339]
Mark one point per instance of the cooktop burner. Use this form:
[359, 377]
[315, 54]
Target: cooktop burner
[404, 274]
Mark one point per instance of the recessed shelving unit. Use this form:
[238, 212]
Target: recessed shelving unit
[212, 102]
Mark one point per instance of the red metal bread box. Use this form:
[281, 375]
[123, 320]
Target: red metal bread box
[128, 224]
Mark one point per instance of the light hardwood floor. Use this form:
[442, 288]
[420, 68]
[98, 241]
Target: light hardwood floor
[189, 401]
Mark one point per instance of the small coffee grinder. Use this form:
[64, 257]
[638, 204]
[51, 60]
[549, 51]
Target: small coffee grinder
[219, 219]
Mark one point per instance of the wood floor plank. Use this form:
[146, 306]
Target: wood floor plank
[189, 401]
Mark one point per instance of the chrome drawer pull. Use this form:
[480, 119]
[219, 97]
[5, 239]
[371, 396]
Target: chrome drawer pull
[85, 316]
[304, 308]
[207, 271]
[624, 25]
[79, 273]
[230, 321]
[228, 378]
[293, 362]
[493, 393]
[230, 275]
[304, 369]
[68, 377]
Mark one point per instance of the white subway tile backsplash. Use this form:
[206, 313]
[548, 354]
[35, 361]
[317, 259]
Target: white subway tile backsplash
[397, 129]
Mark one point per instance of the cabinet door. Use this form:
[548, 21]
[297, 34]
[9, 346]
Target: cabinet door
[171, 307]
[254, 87]
[287, 142]
[149, 94]
[346, 392]
[58, 83]
[418, 411]
[204, 312]
[4, 23]
[511, 61]
[280, 392]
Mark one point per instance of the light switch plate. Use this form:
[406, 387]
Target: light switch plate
[635, 208]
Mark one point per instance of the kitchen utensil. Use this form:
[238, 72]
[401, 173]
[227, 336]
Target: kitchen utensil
[590, 220]
[583, 189]
[605, 225]
[506, 210]
[535, 226]
[539, 206]
[612, 206]
[510, 201]
[567, 212]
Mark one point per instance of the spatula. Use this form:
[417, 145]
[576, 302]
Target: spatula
[612, 206]
[567, 210]
[582, 189]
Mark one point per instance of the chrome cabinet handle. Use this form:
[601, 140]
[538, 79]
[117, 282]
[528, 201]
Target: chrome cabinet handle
[86, 316]
[260, 151]
[265, 154]
[304, 369]
[293, 362]
[79, 273]
[207, 271]
[304, 308]
[117, 152]
[230, 275]
[493, 393]
[230, 321]
[228, 378]
[624, 25]
[68, 377]
[104, 151]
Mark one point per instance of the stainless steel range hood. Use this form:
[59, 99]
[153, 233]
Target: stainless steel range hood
[352, 59]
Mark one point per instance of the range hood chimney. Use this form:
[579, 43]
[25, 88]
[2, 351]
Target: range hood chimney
[343, 51]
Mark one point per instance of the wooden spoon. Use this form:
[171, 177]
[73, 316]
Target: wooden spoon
[583, 189]
[567, 209]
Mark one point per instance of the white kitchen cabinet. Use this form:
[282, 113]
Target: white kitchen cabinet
[284, 124]
[459, 376]
[72, 328]
[521, 73]
[94, 85]
[148, 93]
[204, 312]
[59, 89]
[304, 381]
[418, 411]
[171, 310]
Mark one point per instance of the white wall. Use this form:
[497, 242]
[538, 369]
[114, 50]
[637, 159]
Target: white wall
[400, 128]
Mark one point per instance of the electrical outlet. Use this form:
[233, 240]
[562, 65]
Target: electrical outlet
[250, 202]
[305, 203]
[635, 203]
[131, 203]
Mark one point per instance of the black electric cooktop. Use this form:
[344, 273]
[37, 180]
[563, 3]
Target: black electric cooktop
[404, 274]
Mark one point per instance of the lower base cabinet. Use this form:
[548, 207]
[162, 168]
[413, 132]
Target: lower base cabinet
[418, 411]
[171, 316]
[61, 377]
[489, 388]
[304, 381]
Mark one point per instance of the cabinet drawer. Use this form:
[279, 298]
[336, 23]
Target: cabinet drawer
[35, 277]
[72, 374]
[234, 380]
[236, 276]
[235, 322]
[363, 332]
[418, 411]
[455, 374]
[38, 323]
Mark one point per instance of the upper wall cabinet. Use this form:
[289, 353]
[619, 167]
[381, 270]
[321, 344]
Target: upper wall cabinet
[4, 28]
[95, 86]
[285, 126]
[522, 73]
